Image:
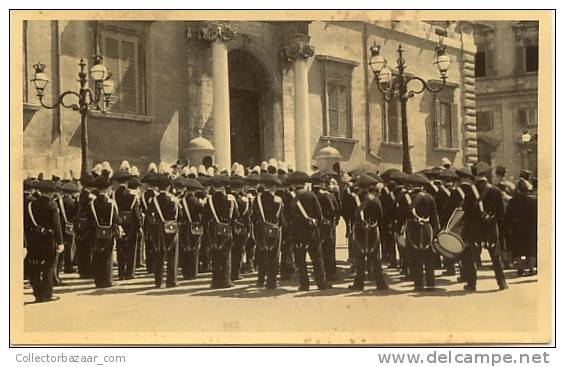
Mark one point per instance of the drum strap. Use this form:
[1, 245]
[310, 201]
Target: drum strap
[186, 209]
[461, 193]
[361, 209]
[143, 201]
[413, 205]
[301, 208]
[445, 190]
[260, 204]
[434, 187]
[214, 209]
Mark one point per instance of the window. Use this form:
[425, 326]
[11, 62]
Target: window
[526, 46]
[531, 58]
[124, 56]
[480, 64]
[445, 119]
[336, 96]
[338, 114]
[485, 56]
[528, 116]
[485, 120]
[391, 127]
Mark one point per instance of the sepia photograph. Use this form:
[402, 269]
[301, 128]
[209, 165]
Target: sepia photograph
[246, 177]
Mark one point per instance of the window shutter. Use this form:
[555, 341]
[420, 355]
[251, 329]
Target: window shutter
[392, 121]
[437, 122]
[111, 60]
[342, 112]
[454, 126]
[333, 109]
[523, 116]
[128, 77]
[490, 62]
[141, 78]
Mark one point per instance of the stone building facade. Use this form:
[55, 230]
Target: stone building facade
[507, 93]
[255, 89]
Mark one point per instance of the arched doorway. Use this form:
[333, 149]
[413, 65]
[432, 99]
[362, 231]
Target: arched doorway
[250, 108]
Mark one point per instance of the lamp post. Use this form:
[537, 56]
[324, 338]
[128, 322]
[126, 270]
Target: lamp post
[88, 99]
[396, 86]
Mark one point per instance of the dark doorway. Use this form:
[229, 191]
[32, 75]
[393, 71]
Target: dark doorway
[245, 131]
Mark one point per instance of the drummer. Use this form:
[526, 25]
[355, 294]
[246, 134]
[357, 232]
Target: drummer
[451, 198]
[421, 227]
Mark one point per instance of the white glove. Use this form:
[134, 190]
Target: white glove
[60, 248]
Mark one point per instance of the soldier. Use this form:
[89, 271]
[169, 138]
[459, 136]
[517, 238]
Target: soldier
[191, 229]
[242, 225]
[422, 225]
[68, 208]
[347, 211]
[330, 217]
[104, 227]
[449, 198]
[483, 224]
[128, 204]
[399, 218]
[250, 250]
[387, 198]
[204, 196]
[164, 210]
[267, 219]
[44, 238]
[367, 226]
[306, 213]
[217, 217]
[151, 191]
[83, 239]
[521, 229]
[285, 193]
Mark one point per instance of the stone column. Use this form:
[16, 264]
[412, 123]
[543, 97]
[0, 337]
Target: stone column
[218, 34]
[299, 51]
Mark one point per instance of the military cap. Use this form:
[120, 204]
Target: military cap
[269, 179]
[134, 183]
[121, 175]
[328, 172]
[375, 176]
[46, 186]
[464, 172]
[417, 179]
[193, 184]
[399, 176]
[55, 178]
[101, 182]
[435, 172]
[524, 186]
[220, 180]
[204, 180]
[366, 181]
[316, 177]
[386, 174]
[179, 182]
[298, 177]
[162, 181]
[150, 178]
[446, 162]
[70, 187]
[500, 169]
[236, 182]
[29, 183]
[448, 174]
[526, 174]
[252, 177]
[282, 168]
[481, 168]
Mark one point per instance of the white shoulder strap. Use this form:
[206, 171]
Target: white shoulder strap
[143, 200]
[213, 209]
[158, 207]
[301, 208]
[133, 203]
[260, 204]
[461, 192]
[186, 209]
[358, 203]
[63, 211]
[31, 214]
[96, 216]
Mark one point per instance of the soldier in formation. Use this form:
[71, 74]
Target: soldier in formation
[268, 218]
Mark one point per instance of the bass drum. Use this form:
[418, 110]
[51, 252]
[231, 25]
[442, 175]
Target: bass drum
[449, 242]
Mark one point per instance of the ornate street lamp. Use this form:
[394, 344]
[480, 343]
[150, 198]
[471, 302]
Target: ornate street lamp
[396, 86]
[97, 98]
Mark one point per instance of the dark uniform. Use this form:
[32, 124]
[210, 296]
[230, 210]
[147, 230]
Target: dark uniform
[387, 198]
[43, 233]
[147, 223]
[347, 212]
[220, 235]
[521, 227]
[103, 219]
[399, 211]
[483, 219]
[128, 205]
[422, 225]
[83, 238]
[68, 208]
[164, 210]
[267, 219]
[190, 235]
[287, 256]
[242, 231]
[306, 237]
[330, 217]
[367, 227]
